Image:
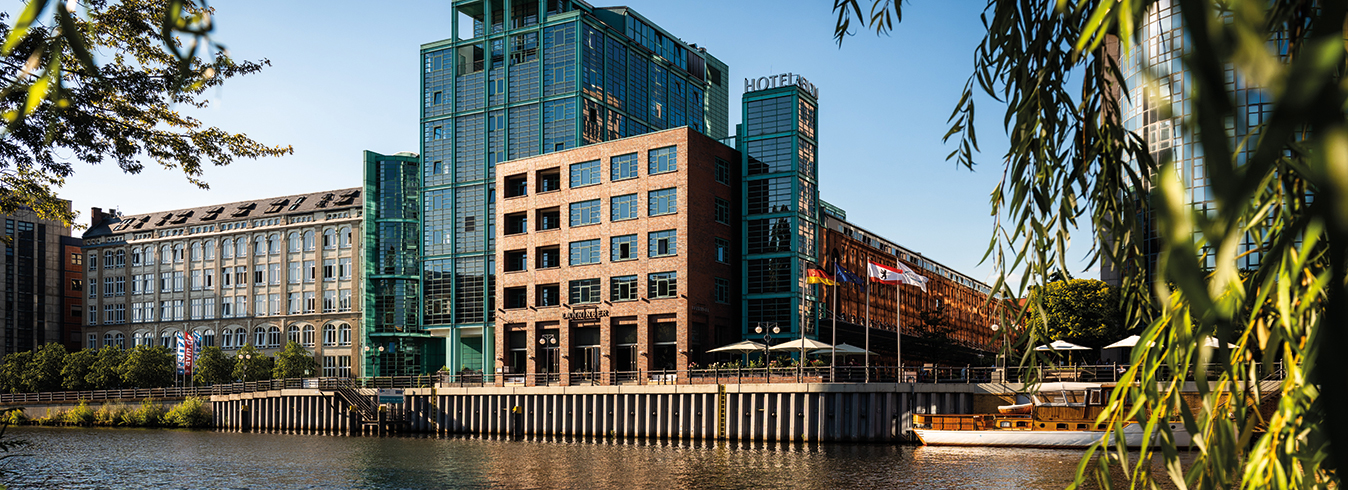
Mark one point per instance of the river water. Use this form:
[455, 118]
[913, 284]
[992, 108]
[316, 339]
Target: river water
[150, 458]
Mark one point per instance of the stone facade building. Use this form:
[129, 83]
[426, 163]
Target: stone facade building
[263, 273]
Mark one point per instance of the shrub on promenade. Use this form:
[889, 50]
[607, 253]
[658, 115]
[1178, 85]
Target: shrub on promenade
[110, 414]
[149, 414]
[192, 412]
[81, 415]
[52, 417]
[13, 416]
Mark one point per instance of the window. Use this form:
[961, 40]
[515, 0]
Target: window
[344, 300]
[309, 270]
[623, 207]
[344, 268]
[584, 173]
[195, 253]
[274, 303]
[722, 251]
[196, 280]
[274, 244]
[178, 253]
[240, 306]
[195, 310]
[136, 255]
[329, 301]
[720, 291]
[227, 307]
[546, 295]
[584, 291]
[584, 252]
[273, 336]
[722, 212]
[178, 278]
[585, 213]
[77, 285]
[307, 338]
[722, 171]
[240, 337]
[293, 303]
[309, 240]
[548, 257]
[309, 302]
[77, 258]
[329, 239]
[294, 273]
[292, 334]
[662, 243]
[240, 276]
[329, 335]
[549, 219]
[93, 260]
[208, 280]
[516, 298]
[260, 245]
[226, 249]
[624, 247]
[165, 256]
[260, 305]
[293, 242]
[516, 185]
[623, 288]
[274, 270]
[344, 237]
[329, 269]
[662, 285]
[516, 260]
[661, 160]
[623, 167]
[663, 201]
[344, 334]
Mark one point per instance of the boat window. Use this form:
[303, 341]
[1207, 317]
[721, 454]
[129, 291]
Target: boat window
[1083, 427]
[1005, 424]
[1062, 426]
[1093, 397]
[1023, 424]
[1099, 426]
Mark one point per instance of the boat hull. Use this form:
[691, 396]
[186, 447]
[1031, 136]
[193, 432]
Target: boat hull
[1039, 438]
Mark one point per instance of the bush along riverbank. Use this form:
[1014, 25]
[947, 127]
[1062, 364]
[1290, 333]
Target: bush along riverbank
[193, 412]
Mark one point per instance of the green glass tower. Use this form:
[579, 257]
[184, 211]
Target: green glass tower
[780, 219]
[393, 341]
[522, 78]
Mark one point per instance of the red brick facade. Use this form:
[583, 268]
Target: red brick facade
[613, 335]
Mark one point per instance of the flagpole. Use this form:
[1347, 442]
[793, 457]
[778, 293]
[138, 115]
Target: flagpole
[833, 361]
[868, 330]
[898, 329]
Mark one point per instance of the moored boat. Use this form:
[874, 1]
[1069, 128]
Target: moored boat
[1058, 415]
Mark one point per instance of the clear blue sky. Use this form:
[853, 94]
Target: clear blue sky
[344, 79]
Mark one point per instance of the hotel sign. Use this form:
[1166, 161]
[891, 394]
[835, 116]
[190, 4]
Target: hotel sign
[590, 313]
[764, 83]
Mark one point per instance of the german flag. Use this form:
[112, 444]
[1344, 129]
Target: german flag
[818, 276]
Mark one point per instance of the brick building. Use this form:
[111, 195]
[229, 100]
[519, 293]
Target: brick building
[619, 256]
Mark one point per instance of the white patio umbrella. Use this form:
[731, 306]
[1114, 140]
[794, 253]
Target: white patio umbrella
[1132, 340]
[744, 347]
[848, 350]
[1060, 345]
[807, 344]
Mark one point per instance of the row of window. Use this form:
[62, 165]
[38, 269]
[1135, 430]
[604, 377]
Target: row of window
[204, 279]
[237, 247]
[334, 335]
[333, 301]
[621, 167]
[664, 243]
[659, 285]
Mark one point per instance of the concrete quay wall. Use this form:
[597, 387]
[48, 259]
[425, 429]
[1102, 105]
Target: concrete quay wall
[804, 412]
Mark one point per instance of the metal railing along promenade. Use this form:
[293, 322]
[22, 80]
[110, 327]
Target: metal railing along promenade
[728, 375]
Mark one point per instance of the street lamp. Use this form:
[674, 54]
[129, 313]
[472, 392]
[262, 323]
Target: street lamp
[767, 338]
[245, 358]
[545, 340]
[996, 328]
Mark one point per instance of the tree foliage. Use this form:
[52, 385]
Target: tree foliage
[294, 362]
[104, 85]
[43, 372]
[212, 367]
[75, 372]
[251, 364]
[1280, 193]
[103, 374]
[147, 367]
[1080, 311]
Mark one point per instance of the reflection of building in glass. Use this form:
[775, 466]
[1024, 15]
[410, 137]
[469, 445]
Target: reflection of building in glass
[780, 210]
[394, 341]
[617, 256]
[521, 78]
[1155, 107]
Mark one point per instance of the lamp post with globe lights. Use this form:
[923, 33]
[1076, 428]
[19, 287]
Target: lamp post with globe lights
[767, 329]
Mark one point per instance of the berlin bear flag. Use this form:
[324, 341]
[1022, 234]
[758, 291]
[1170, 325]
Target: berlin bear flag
[901, 275]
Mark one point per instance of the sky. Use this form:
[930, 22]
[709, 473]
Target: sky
[344, 79]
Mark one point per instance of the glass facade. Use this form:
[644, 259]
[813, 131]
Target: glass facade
[781, 210]
[521, 78]
[393, 342]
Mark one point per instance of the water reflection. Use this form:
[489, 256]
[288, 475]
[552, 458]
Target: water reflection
[140, 458]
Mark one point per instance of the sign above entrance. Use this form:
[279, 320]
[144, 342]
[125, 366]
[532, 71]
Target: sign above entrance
[764, 83]
[591, 313]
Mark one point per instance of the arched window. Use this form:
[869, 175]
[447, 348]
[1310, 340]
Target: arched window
[292, 334]
[227, 340]
[259, 337]
[345, 236]
[149, 255]
[308, 339]
[329, 238]
[166, 339]
[329, 335]
[240, 337]
[226, 248]
[274, 337]
[121, 258]
[165, 255]
[210, 249]
[274, 244]
[309, 240]
[260, 245]
[119, 340]
[107, 339]
[207, 338]
[178, 252]
[196, 251]
[241, 247]
[136, 256]
[344, 332]
[293, 242]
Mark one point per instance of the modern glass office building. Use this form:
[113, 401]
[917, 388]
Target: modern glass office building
[780, 208]
[521, 78]
[394, 341]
